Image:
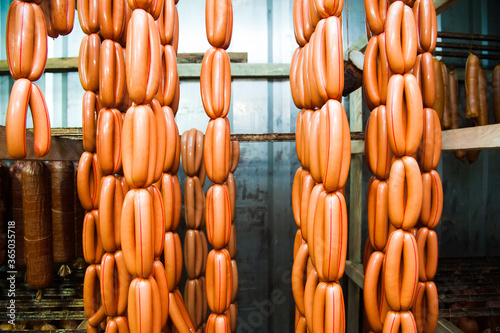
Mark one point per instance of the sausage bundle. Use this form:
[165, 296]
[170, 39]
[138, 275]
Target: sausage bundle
[195, 241]
[26, 47]
[215, 88]
[399, 87]
[323, 146]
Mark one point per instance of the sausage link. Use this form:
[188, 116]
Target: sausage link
[216, 150]
[218, 216]
[88, 15]
[215, 82]
[219, 22]
[63, 15]
[377, 150]
[471, 87]
[378, 221]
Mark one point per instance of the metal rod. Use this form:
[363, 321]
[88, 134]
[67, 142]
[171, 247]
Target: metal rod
[458, 35]
[473, 47]
[466, 54]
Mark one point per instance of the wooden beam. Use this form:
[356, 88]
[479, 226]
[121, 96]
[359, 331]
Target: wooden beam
[442, 5]
[355, 272]
[480, 137]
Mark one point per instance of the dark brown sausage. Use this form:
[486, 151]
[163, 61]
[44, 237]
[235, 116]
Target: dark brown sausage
[63, 211]
[17, 212]
[37, 224]
[79, 215]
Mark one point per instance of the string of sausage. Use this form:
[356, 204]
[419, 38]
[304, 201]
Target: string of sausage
[436, 115]
[215, 86]
[323, 149]
[398, 127]
[100, 184]
[26, 48]
[195, 241]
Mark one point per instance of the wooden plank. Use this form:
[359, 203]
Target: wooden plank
[355, 209]
[60, 149]
[355, 272]
[469, 312]
[83, 330]
[444, 326]
[480, 137]
[70, 64]
[45, 303]
[468, 298]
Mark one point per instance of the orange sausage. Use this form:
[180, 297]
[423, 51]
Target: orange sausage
[88, 62]
[405, 120]
[219, 22]
[108, 137]
[173, 256]
[399, 321]
[142, 62]
[235, 283]
[161, 139]
[316, 217]
[297, 195]
[377, 150]
[330, 237]
[63, 15]
[88, 15]
[140, 306]
[405, 193]
[89, 121]
[401, 292]
[310, 288]
[26, 40]
[432, 202]
[384, 71]
[218, 216]
[471, 87]
[139, 140]
[401, 37]
[172, 148]
[429, 151]
[88, 181]
[161, 280]
[305, 138]
[370, 290]
[328, 308]
[169, 77]
[307, 187]
[374, 18]
[158, 220]
[307, 226]
[112, 19]
[293, 78]
[178, 313]
[314, 167]
[215, 83]
[194, 202]
[370, 77]
[192, 151]
[193, 253]
[25, 93]
[427, 244]
[231, 247]
[426, 20]
[231, 185]
[378, 221]
[91, 299]
[234, 149]
[425, 74]
[192, 300]
[216, 150]
[117, 325]
[327, 8]
[298, 283]
[218, 323]
[137, 232]
[110, 207]
[172, 201]
[303, 25]
[328, 61]
[111, 74]
[91, 238]
[335, 149]
[219, 280]
[166, 21]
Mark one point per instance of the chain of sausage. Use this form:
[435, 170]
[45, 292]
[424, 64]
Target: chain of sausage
[436, 115]
[396, 193]
[100, 182]
[215, 84]
[26, 48]
[323, 149]
[195, 241]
